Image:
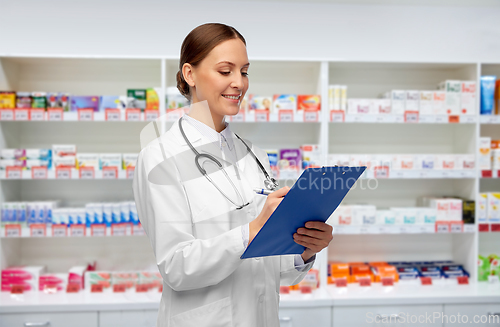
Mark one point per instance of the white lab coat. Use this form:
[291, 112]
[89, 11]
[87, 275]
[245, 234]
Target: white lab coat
[196, 237]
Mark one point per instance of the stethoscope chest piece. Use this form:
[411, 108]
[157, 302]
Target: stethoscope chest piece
[271, 183]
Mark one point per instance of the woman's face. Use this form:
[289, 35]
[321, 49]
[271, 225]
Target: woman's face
[221, 78]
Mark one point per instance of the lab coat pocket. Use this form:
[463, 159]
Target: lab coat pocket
[217, 313]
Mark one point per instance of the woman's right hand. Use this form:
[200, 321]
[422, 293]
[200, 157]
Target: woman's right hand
[272, 202]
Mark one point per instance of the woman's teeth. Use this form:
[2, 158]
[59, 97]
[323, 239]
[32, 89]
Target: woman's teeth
[234, 97]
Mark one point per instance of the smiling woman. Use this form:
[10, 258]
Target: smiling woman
[214, 68]
[194, 192]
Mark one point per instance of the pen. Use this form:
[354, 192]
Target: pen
[262, 191]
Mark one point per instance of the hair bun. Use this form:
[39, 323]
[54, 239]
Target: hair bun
[182, 85]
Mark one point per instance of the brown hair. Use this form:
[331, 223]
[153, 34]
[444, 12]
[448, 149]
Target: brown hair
[198, 44]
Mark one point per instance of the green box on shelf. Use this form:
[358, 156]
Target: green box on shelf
[139, 96]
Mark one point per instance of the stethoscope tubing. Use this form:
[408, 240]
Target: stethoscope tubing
[270, 182]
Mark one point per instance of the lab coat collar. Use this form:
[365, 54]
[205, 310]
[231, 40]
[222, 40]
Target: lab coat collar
[211, 134]
[197, 140]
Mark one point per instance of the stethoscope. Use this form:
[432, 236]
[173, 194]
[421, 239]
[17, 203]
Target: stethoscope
[270, 183]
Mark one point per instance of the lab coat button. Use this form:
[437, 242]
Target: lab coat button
[256, 259]
[261, 298]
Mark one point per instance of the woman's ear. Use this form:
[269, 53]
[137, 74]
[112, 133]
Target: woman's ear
[187, 72]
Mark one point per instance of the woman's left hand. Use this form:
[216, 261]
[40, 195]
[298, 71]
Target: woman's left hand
[315, 236]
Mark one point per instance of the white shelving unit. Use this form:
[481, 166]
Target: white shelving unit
[108, 76]
[368, 80]
[488, 240]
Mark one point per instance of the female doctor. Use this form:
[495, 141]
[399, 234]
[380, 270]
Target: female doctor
[194, 195]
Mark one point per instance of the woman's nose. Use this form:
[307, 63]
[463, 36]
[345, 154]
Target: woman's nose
[237, 82]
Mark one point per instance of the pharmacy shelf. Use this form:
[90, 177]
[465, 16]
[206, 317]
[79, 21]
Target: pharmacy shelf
[420, 174]
[352, 295]
[360, 134]
[63, 231]
[68, 174]
[399, 174]
[86, 301]
[403, 229]
[489, 174]
[413, 293]
[340, 117]
[489, 119]
[488, 227]
[39, 115]
[81, 301]
[41, 230]
[10, 115]
[285, 116]
[80, 75]
[75, 174]
[134, 115]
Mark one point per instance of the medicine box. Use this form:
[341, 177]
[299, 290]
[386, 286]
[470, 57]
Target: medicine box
[484, 158]
[482, 208]
[87, 160]
[381, 106]
[343, 97]
[359, 106]
[426, 105]
[63, 150]
[452, 88]
[412, 100]
[442, 206]
[465, 161]
[398, 101]
[139, 98]
[468, 98]
[256, 102]
[85, 102]
[334, 97]
[290, 159]
[445, 162]
[110, 160]
[344, 215]
[66, 161]
[283, 102]
[311, 155]
[425, 161]
[439, 103]
[25, 276]
[7, 100]
[493, 209]
[129, 160]
[309, 102]
[495, 159]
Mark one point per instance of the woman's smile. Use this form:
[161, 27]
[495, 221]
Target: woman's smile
[234, 98]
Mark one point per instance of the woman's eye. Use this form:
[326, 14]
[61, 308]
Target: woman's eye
[225, 73]
[244, 74]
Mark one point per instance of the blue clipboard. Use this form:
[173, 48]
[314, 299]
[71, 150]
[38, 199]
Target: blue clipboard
[313, 197]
